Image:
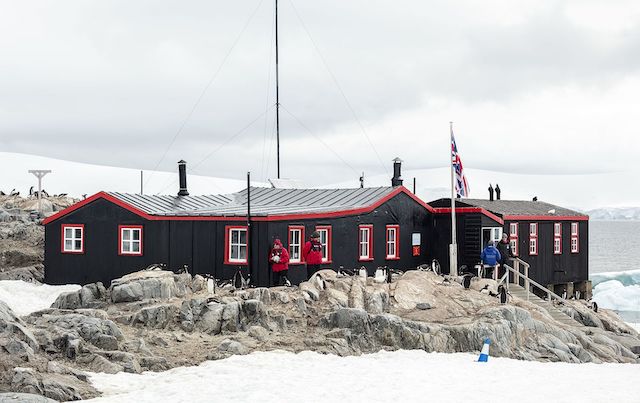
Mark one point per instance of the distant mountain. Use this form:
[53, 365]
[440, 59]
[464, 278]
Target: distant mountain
[615, 214]
[77, 179]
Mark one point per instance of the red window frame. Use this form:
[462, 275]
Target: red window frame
[62, 239]
[227, 245]
[121, 252]
[326, 228]
[533, 238]
[300, 228]
[396, 255]
[369, 229]
[557, 236]
[513, 237]
[575, 236]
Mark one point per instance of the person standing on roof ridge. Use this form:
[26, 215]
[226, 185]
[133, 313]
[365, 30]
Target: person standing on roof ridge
[312, 254]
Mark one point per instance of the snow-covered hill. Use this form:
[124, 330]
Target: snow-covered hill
[616, 213]
[77, 179]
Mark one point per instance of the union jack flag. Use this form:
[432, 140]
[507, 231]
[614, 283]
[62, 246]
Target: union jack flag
[461, 185]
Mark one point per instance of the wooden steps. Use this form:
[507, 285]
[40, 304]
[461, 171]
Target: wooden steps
[559, 316]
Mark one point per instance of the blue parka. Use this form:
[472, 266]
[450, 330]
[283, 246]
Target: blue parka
[490, 256]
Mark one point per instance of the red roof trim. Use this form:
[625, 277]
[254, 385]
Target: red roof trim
[464, 210]
[281, 217]
[546, 218]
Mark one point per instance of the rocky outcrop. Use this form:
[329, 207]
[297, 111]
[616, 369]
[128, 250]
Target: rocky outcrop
[150, 284]
[89, 296]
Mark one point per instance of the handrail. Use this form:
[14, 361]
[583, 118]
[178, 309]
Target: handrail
[541, 287]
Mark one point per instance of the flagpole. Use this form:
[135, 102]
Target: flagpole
[453, 248]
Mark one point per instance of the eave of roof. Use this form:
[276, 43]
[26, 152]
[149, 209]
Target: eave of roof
[338, 212]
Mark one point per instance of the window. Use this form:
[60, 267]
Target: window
[365, 243]
[393, 232]
[130, 240]
[533, 239]
[325, 240]
[557, 238]
[72, 238]
[296, 236]
[235, 245]
[575, 246]
[513, 238]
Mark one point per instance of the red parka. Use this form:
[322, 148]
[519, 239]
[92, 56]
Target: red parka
[312, 252]
[283, 261]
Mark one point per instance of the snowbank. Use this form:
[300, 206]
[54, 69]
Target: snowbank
[24, 298]
[89, 179]
[400, 376]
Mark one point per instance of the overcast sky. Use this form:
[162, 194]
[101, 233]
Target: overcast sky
[537, 87]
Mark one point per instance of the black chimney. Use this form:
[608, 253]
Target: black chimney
[490, 192]
[397, 178]
[497, 192]
[182, 173]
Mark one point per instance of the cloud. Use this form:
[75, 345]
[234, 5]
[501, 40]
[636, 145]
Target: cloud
[541, 87]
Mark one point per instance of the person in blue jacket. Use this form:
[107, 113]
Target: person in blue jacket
[490, 257]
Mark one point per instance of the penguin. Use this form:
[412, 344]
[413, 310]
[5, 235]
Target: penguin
[363, 272]
[502, 291]
[466, 281]
[211, 285]
[379, 276]
[238, 280]
[320, 283]
[389, 276]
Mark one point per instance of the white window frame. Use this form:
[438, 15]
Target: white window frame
[295, 247]
[557, 238]
[533, 239]
[513, 237]
[130, 229]
[325, 241]
[365, 242]
[230, 247]
[395, 230]
[73, 238]
[575, 236]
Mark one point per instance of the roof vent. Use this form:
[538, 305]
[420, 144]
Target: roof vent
[397, 177]
[182, 173]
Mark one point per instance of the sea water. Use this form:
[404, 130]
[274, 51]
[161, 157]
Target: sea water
[614, 266]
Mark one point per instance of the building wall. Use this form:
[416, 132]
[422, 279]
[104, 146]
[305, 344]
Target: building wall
[200, 244]
[546, 267]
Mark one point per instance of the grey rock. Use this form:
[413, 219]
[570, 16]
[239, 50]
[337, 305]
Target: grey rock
[157, 316]
[14, 397]
[423, 305]
[232, 347]
[149, 284]
[199, 284]
[258, 333]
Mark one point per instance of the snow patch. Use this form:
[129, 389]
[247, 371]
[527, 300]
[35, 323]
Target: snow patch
[400, 376]
[24, 298]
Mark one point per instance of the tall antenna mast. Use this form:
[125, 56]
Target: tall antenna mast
[277, 98]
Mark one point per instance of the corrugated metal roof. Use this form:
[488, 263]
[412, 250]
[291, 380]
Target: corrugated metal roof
[264, 202]
[512, 207]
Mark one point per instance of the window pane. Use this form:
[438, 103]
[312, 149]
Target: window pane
[68, 244]
[78, 232]
[243, 252]
[243, 236]
[136, 247]
[68, 232]
[78, 245]
[234, 252]
[126, 235]
[234, 236]
[136, 234]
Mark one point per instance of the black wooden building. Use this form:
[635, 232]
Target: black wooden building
[112, 234]
[552, 239]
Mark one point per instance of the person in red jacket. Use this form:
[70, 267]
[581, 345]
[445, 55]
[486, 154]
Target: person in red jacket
[312, 254]
[279, 258]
